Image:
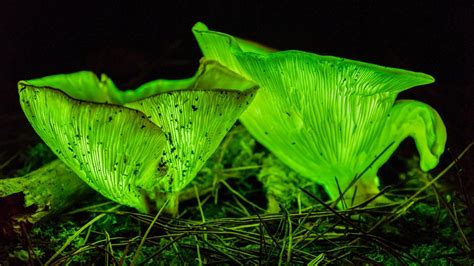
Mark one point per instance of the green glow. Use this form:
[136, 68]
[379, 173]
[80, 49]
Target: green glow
[115, 140]
[328, 117]
[194, 119]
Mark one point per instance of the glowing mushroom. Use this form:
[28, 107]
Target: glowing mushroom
[330, 119]
[136, 146]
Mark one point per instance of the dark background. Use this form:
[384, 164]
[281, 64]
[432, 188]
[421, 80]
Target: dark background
[137, 43]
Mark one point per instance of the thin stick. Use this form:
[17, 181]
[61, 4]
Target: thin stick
[135, 257]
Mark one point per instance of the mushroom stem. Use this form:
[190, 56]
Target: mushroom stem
[171, 199]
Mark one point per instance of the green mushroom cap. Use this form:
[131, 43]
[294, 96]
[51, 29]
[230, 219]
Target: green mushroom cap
[133, 146]
[328, 117]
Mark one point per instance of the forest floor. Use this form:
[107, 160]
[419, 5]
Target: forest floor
[257, 211]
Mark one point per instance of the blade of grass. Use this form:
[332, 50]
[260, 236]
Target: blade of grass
[290, 237]
[137, 253]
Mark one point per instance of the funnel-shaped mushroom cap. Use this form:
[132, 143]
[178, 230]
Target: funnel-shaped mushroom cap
[196, 120]
[99, 142]
[324, 116]
[118, 149]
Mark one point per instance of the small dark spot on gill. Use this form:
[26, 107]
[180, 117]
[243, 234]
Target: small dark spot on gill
[194, 108]
[169, 138]
[162, 167]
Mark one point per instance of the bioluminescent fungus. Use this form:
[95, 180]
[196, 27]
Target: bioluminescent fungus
[136, 146]
[335, 121]
[194, 121]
